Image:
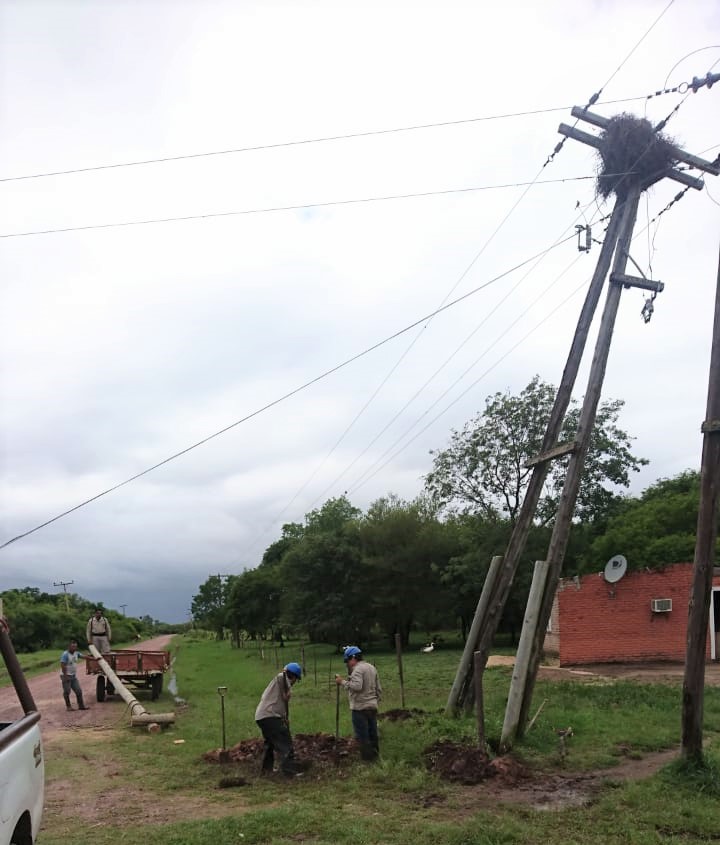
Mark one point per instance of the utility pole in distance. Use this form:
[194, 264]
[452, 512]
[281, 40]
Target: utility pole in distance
[122, 607]
[64, 585]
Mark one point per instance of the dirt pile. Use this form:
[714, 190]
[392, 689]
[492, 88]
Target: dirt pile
[319, 749]
[399, 715]
[464, 764]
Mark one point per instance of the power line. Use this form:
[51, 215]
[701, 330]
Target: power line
[558, 147]
[287, 395]
[300, 207]
[302, 142]
[407, 404]
[362, 481]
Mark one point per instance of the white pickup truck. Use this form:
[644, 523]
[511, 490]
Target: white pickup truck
[22, 766]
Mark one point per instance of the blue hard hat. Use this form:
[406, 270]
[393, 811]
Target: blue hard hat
[351, 651]
[294, 669]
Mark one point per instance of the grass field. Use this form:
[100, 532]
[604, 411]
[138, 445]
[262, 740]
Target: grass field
[395, 801]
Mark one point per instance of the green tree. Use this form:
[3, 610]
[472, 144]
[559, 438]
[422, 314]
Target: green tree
[254, 601]
[654, 530]
[483, 470]
[209, 606]
[325, 577]
[405, 549]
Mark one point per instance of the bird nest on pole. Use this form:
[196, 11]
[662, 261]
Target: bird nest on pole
[632, 153]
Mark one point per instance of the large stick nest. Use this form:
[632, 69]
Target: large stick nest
[632, 153]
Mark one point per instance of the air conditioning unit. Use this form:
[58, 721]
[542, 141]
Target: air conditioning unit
[661, 605]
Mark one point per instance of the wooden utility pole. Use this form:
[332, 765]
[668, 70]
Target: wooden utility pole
[699, 606]
[566, 507]
[64, 585]
[487, 616]
[619, 231]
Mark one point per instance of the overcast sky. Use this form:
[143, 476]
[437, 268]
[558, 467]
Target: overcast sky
[122, 346]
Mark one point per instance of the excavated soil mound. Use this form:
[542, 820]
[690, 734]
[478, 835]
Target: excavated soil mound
[467, 765]
[400, 715]
[318, 749]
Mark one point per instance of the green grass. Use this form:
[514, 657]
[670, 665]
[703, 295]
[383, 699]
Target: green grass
[396, 801]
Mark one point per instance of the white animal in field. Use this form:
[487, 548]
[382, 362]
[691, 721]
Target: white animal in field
[428, 648]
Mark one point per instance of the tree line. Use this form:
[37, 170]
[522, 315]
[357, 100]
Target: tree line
[40, 620]
[344, 576]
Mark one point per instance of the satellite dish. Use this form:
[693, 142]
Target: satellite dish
[615, 568]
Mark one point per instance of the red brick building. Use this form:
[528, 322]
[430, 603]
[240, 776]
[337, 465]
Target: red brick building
[641, 617]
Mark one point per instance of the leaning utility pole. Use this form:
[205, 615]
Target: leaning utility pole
[64, 585]
[616, 242]
[699, 607]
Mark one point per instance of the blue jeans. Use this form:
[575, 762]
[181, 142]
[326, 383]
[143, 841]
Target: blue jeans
[364, 724]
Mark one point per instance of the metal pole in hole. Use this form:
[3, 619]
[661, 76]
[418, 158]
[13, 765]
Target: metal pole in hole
[398, 649]
[337, 711]
[221, 692]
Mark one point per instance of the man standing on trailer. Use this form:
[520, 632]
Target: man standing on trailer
[99, 632]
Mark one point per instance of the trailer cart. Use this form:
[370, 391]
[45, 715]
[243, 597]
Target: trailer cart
[140, 669]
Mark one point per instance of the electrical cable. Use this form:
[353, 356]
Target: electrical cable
[594, 99]
[300, 207]
[468, 389]
[303, 141]
[446, 362]
[282, 398]
[368, 473]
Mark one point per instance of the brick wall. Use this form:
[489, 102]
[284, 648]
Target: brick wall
[605, 623]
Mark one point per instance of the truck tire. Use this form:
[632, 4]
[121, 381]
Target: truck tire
[100, 688]
[109, 688]
[156, 685]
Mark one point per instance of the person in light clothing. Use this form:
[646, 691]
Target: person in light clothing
[99, 632]
[364, 692]
[68, 675]
[272, 717]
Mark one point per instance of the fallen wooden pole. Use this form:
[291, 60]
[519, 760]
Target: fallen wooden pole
[139, 716]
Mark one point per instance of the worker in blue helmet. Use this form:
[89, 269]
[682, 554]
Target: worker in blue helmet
[273, 718]
[364, 692]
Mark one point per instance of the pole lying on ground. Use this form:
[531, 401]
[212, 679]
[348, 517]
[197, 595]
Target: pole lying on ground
[139, 716]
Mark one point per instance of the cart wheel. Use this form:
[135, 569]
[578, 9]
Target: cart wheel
[100, 688]
[156, 684]
[109, 688]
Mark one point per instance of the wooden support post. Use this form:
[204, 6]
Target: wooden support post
[699, 607]
[522, 657]
[398, 651]
[464, 670]
[566, 507]
[479, 702]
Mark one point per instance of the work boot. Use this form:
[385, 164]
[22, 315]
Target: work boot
[81, 703]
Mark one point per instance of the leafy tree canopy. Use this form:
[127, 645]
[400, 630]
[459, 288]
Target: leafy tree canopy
[483, 470]
[653, 530]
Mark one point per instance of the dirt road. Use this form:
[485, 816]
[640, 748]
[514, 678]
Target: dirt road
[47, 692]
